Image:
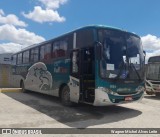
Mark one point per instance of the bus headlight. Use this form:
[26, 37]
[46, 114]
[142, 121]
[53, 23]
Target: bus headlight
[140, 89]
[108, 91]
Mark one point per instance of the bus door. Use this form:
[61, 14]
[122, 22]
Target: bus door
[83, 75]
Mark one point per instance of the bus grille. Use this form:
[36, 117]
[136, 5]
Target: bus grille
[124, 93]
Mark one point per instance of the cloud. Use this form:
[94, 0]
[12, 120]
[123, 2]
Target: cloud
[10, 47]
[48, 14]
[53, 4]
[150, 54]
[11, 19]
[151, 42]
[20, 36]
[1, 12]
[41, 16]
[151, 45]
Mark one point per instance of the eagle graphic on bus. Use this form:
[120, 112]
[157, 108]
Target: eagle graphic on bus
[39, 77]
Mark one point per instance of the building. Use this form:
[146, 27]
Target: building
[5, 70]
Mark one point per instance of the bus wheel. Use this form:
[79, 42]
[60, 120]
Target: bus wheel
[149, 93]
[22, 86]
[65, 96]
[158, 94]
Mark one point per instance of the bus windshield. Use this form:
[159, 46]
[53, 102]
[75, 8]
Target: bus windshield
[153, 72]
[122, 55]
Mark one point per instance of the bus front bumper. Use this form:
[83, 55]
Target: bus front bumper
[104, 99]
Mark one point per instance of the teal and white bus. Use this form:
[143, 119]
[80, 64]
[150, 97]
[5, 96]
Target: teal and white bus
[97, 65]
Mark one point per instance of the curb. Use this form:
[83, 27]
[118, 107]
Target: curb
[10, 90]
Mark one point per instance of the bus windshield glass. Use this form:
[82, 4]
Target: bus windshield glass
[153, 72]
[122, 55]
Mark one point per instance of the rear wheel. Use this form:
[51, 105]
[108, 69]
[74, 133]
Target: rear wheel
[22, 86]
[65, 96]
[158, 94]
[149, 93]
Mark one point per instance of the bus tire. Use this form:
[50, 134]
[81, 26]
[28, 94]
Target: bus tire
[22, 86]
[149, 93]
[157, 94]
[65, 96]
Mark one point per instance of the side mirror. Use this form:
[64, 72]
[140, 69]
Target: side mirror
[144, 52]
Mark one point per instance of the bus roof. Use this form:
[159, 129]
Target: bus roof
[78, 29]
[154, 59]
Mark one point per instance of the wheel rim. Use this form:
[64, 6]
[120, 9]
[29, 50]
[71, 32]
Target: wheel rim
[66, 95]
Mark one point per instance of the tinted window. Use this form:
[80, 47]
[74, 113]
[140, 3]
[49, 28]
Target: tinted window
[34, 54]
[60, 48]
[45, 52]
[26, 57]
[14, 59]
[19, 61]
[84, 38]
[56, 46]
[63, 48]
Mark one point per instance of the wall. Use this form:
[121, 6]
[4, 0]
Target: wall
[5, 75]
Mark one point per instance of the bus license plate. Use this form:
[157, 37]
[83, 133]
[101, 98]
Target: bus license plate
[128, 98]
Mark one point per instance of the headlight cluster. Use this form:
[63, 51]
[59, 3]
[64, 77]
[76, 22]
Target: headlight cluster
[140, 89]
[108, 91]
[147, 84]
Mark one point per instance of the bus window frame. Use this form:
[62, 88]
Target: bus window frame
[28, 57]
[46, 46]
[17, 62]
[33, 61]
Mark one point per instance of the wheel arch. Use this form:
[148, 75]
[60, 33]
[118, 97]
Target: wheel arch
[21, 82]
[61, 87]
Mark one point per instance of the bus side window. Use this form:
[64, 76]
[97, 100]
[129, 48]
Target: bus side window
[19, 61]
[84, 38]
[26, 57]
[59, 49]
[34, 54]
[55, 49]
[45, 52]
[14, 59]
[62, 52]
[42, 52]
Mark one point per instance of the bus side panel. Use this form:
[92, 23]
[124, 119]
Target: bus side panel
[18, 74]
[60, 72]
[47, 78]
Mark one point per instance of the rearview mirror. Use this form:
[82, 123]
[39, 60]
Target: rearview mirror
[144, 52]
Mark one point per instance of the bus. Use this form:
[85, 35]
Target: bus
[97, 65]
[152, 83]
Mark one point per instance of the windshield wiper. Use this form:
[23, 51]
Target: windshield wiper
[120, 71]
[136, 71]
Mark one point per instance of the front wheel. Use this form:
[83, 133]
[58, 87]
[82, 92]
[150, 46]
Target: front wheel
[65, 96]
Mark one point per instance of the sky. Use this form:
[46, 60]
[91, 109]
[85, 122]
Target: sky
[26, 22]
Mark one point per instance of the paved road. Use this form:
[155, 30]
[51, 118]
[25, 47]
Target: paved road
[37, 110]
